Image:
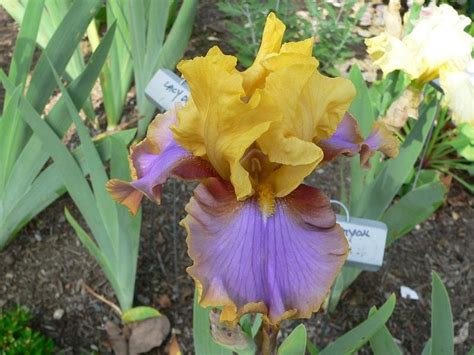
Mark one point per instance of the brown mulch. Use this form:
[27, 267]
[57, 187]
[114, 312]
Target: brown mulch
[44, 266]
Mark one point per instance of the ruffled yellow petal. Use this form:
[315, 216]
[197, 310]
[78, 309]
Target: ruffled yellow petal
[254, 76]
[304, 47]
[312, 106]
[229, 126]
[390, 54]
[189, 131]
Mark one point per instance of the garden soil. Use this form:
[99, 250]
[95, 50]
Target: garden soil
[45, 266]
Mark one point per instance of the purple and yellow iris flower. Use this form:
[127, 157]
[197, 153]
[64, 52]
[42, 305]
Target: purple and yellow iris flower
[261, 240]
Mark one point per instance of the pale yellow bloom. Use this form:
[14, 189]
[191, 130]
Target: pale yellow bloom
[438, 42]
[260, 128]
[458, 87]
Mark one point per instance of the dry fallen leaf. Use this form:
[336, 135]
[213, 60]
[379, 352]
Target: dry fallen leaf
[138, 337]
[117, 341]
[174, 348]
[226, 335]
[463, 334]
[147, 334]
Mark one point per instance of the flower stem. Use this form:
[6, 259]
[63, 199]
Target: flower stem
[267, 338]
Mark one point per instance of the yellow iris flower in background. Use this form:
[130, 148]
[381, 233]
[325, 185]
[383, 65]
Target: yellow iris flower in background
[437, 47]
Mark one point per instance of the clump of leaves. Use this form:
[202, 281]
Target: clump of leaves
[331, 23]
[16, 337]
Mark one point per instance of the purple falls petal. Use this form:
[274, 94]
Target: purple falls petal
[282, 265]
[382, 139]
[346, 140]
[153, 161]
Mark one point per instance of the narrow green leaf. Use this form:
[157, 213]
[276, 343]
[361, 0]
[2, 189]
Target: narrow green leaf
[361, 107]
[311, 348]
[427, 347]
[90, 245]
[360, 335]
[413, 208]
[48, 186]
[9, 146]
[345, 278]
[70, 173]
[295, 344]
[105, 204]
[378, 195]
[59, 50]
[137, 314]
[34, 156]
[203, 342]
[382, 343]
[442, 329]
[26, 43]
[117, 74]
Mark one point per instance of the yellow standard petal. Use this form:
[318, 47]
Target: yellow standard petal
[217, 122]
[254, 76]
[312, 106]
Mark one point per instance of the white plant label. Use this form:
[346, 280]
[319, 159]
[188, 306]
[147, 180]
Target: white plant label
[366, 241]
[166, 88]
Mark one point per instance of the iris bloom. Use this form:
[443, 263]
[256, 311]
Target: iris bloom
[437, 47]
[261, 240]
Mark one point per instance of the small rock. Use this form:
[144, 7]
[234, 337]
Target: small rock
[164, 301]
[455, 216]
[9, 260]
[143, 299]
[58, 314]
[94, 347]
[9, 275]
[38, 236]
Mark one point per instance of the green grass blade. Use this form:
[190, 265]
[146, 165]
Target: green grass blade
[203, 342]
[442, 329]
[412, 209]
[427, 347]
[8, 144]
[362, 109]
[98, 176]
[117, 74]
[295, 344]
[129, 229]
[13, 128]
[354, 339]
[59, 50]
[382, 343]
[26, 43]
[70, 171]
[34, 156]
[48, 186]
[147, 41]
[87, 241]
